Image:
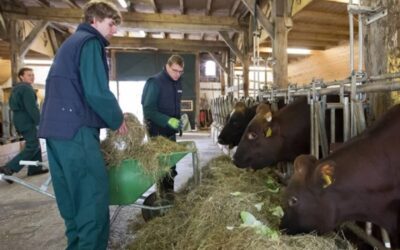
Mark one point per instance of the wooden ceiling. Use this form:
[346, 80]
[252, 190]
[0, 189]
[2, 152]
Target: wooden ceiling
[186, 25]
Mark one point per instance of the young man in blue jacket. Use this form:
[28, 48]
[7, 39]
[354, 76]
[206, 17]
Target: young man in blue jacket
[161, 102]
[78, 102]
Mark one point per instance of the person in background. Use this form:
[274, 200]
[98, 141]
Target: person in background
[78, 102]
[161, 102]
[26, 116]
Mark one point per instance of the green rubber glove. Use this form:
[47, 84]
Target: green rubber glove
[173, 123]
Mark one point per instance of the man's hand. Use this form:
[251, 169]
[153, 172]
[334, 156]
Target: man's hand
[123, 129]
[174, 123]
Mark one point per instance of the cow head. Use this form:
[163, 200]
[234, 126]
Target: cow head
[261, 142]
[236, 124]
[306, 203]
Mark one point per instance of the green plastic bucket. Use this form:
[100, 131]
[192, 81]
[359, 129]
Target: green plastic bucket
[128, 182]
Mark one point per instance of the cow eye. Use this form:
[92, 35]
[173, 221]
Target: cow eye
[252, 136]
[292, 201]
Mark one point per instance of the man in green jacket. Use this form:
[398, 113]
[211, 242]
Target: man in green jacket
[26, 116]
[78, 103]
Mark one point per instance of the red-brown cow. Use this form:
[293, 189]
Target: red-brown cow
[360, 181]
[269, 139]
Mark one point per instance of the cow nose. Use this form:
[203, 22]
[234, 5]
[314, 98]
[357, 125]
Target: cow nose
[240, 163]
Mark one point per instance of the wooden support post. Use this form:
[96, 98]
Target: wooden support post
[261, 18]
[246, 71]
[15, 40]
[53, 39]
[246, 63]
[279, 44]
[222, 80]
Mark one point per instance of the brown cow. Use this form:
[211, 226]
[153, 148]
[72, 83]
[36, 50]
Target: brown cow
[360, 181]
[271, 138]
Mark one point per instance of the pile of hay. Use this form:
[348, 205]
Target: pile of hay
[208, 217]
[116, 147]
[153, 154]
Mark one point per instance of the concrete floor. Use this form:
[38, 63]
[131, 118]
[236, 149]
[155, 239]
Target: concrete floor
[30, 220]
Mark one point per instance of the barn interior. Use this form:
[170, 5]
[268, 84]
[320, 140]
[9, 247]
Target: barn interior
[250, 50]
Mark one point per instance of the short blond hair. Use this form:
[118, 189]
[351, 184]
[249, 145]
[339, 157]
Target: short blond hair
[101, 9]
[176, 59]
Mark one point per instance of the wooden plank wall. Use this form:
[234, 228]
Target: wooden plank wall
[331, 64]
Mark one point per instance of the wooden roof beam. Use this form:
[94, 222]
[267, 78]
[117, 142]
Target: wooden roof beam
[297, 6]
[165, 44]
[325, 17]
[72, 4]
[320, 28]
[306, 44]
[139, 21]
[38, 29]
[154, 6]
[232, 46]
[234, 8]
[261, 18]
[53, 40]
[316, 36]
[3, 27]
[44, 3]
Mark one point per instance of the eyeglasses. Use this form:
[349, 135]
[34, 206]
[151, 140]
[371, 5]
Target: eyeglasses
[180, 72]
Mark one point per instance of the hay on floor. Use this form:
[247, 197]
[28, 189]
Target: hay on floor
[208, 216]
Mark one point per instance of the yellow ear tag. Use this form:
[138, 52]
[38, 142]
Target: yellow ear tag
[328, 180]
[268, 133]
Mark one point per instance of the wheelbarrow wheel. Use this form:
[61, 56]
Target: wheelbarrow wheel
[154, 200]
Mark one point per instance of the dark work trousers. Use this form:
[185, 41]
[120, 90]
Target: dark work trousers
[167, 183]
[31, 152]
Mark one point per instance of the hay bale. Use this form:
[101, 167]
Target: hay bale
[207, 217]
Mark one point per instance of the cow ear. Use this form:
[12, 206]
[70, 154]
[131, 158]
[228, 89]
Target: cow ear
[303, 164]
[263, 108]
[240, 107]
[268, 116]
[326, 173]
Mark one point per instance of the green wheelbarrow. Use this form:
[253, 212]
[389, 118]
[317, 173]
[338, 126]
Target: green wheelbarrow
[128, 182]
